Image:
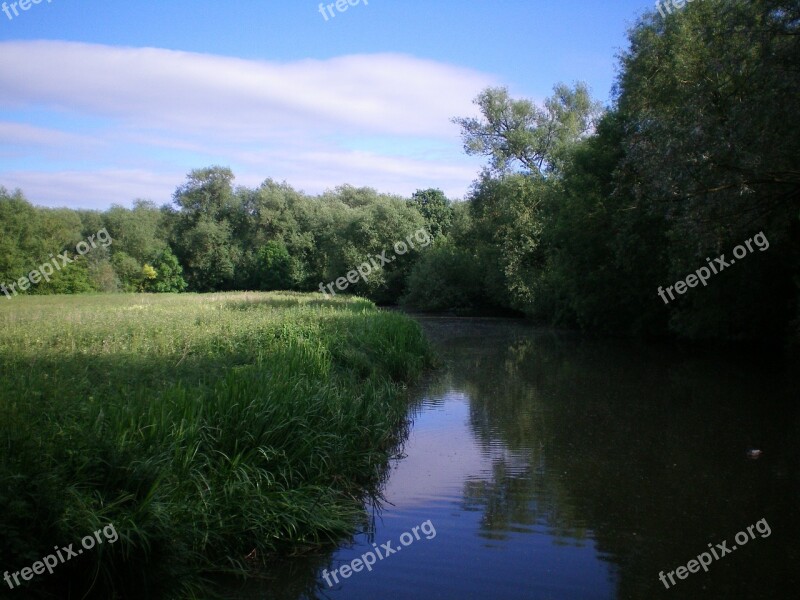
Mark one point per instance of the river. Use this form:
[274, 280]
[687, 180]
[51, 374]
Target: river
[545, 465]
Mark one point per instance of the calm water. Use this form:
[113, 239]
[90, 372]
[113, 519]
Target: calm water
[553, 467]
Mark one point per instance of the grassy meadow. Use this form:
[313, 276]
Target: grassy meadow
[214, 431]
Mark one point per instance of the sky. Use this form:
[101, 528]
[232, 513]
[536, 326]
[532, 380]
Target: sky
[107, 101]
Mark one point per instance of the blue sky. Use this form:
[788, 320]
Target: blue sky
[106, 101]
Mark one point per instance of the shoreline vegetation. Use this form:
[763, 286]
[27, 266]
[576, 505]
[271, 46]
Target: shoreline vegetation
[214, 431]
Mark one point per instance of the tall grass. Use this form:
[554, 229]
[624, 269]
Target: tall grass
[206, 428]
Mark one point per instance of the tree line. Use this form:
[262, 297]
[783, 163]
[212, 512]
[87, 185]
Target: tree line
[216, 236]
[580, 215]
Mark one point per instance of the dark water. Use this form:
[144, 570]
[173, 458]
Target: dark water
[553, 467]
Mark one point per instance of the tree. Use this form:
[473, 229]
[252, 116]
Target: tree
[514, 132]
[274, 267]
[103, 277]
[372, 226]
[74, 278]
[129, 271]
[720, 154]
[708, 101]
[204, 243]
[506, 205]
[209, 255]
[276, 212]
[604, 254]
[446, 277]
[435, 207]
[148, 274]
[169, 274]
[207, 192]
[507, 230]
[19, 244]
[139, 232]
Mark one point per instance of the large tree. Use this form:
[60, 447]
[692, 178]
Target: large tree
[710, 97]
[517, 133]
[708, 100]
[139, 232]
[528, 147]
[435, 207]
[204, 241]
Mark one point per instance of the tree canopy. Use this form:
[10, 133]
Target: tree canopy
[580, 215]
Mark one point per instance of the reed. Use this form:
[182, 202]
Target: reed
[206, 428]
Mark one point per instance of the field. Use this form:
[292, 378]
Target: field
[206, 428]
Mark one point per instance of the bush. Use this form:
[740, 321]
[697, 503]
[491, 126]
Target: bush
[445, 277]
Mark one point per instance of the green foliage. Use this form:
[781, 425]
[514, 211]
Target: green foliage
[149, 273]
[139, 232]
[717, 160]
[103, 276]
[204, 240]
[274, 267]
[517, 131]
[169, 274]
[447, 277]
[18, 239]
[208, 254]
[202, 427]
[207, 192]
[74, 278]
[223, 238]
[128, 270]
[435, 207]
[31, 237]
[698, 155]
[362, 224]
[507, 220]
[605, 255]
[577, 219]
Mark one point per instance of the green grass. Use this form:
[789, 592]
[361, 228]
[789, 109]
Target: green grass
[202, 426]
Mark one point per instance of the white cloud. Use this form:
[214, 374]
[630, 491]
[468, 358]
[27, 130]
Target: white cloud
[385, 93]
[277, 119]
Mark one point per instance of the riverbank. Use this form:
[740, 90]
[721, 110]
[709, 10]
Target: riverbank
[213, 431]
[559, 466]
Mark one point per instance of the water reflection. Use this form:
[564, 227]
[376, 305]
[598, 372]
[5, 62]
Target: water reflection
[554, 467]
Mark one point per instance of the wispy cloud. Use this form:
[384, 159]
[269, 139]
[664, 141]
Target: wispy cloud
[278, 119]
[21, 134]
[96, 189]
